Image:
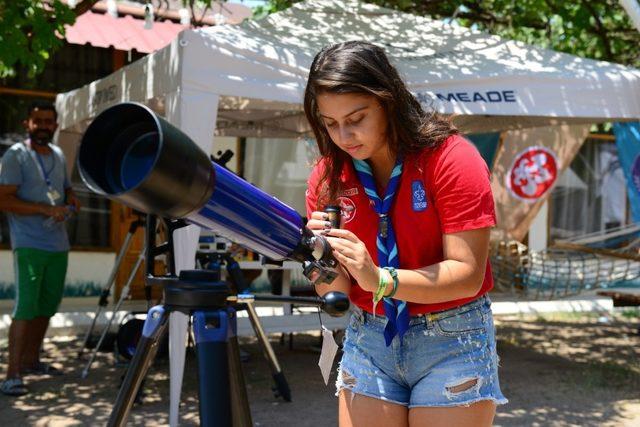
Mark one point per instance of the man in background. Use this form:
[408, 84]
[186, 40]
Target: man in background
[36, 195]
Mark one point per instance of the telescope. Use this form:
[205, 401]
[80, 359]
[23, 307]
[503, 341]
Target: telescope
[130, 154]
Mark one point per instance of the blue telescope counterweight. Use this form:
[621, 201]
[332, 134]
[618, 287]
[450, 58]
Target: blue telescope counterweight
[132, 155]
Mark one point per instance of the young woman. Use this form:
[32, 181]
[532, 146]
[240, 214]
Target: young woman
[416, 208]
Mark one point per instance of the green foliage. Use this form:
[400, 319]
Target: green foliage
[271, 6]
[597, 29]
[29, 31]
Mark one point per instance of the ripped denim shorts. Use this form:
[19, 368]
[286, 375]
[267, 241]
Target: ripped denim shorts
[445, 359]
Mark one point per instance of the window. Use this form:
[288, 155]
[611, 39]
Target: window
[591, 195]
[4, 225]
[281, 167]
[90, 228]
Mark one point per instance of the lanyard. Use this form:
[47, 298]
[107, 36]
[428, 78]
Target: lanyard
[45, 174]
[40, 164]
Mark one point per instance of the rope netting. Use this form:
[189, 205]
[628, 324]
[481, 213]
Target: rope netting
[558, 272]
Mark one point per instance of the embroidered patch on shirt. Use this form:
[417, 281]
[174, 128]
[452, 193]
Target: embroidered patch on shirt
[418, 196]
[350, 192]
[347, 208]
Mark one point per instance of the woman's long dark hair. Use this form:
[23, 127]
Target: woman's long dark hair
[363, 68]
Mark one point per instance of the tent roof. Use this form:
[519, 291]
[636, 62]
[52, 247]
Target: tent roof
[260, 69]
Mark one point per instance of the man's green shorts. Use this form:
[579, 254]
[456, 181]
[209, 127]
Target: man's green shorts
[40, 281]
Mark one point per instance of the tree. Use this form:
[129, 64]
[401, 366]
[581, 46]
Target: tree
[597, 29]
[29, 31]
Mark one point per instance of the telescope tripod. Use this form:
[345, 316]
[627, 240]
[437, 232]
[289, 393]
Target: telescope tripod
[212, 304]
[222, 394]
[106, 291]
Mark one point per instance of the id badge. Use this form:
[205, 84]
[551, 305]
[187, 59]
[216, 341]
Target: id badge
[53, 196]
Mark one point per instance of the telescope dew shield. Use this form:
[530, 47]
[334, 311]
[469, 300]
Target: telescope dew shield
[129, 154]
[132, 155]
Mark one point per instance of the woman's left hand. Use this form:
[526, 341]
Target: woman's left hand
[352, 253]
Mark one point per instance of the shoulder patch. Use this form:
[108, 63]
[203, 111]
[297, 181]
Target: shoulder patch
[418, 196]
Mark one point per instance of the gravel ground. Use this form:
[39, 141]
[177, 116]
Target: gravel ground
[564, 370]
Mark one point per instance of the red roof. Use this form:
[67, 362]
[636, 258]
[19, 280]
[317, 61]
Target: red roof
[123, 33]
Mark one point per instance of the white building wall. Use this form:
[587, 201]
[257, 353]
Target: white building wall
[87, 273]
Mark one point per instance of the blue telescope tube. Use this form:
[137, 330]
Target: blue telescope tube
[131, 155]
[249, 216]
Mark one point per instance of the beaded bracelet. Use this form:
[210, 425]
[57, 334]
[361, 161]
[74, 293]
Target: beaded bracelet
[394, 276]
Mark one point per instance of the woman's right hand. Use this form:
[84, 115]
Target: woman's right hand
[319, 222]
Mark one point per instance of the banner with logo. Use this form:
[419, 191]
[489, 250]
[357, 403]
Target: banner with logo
[628, 142]
[526, 168]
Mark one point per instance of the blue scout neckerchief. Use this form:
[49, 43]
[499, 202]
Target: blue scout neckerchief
[396, 311]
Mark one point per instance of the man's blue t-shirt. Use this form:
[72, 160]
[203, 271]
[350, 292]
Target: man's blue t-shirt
[20, 166]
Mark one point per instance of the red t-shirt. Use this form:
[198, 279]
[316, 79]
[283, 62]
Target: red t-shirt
[442, 190]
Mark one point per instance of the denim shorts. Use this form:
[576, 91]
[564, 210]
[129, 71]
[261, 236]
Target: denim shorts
[445, 359]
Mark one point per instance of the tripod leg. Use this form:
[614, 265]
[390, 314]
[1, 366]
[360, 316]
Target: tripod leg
[282, 387]
[154, 329]
[178, 329]
[123, 295]
[87, 336]
[222, 392]
[107, 289]
[239, 400]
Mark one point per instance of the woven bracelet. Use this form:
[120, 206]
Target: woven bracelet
[394, 276]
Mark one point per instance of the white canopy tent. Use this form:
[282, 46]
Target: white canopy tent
[253, 75]
[249, 79]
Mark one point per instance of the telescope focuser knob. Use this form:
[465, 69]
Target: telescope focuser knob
[335, 304]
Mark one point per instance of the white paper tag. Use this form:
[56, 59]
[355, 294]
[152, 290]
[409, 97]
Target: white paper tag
[328, 353]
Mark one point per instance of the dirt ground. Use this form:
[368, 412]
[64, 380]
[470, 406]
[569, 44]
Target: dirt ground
[562, 370]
